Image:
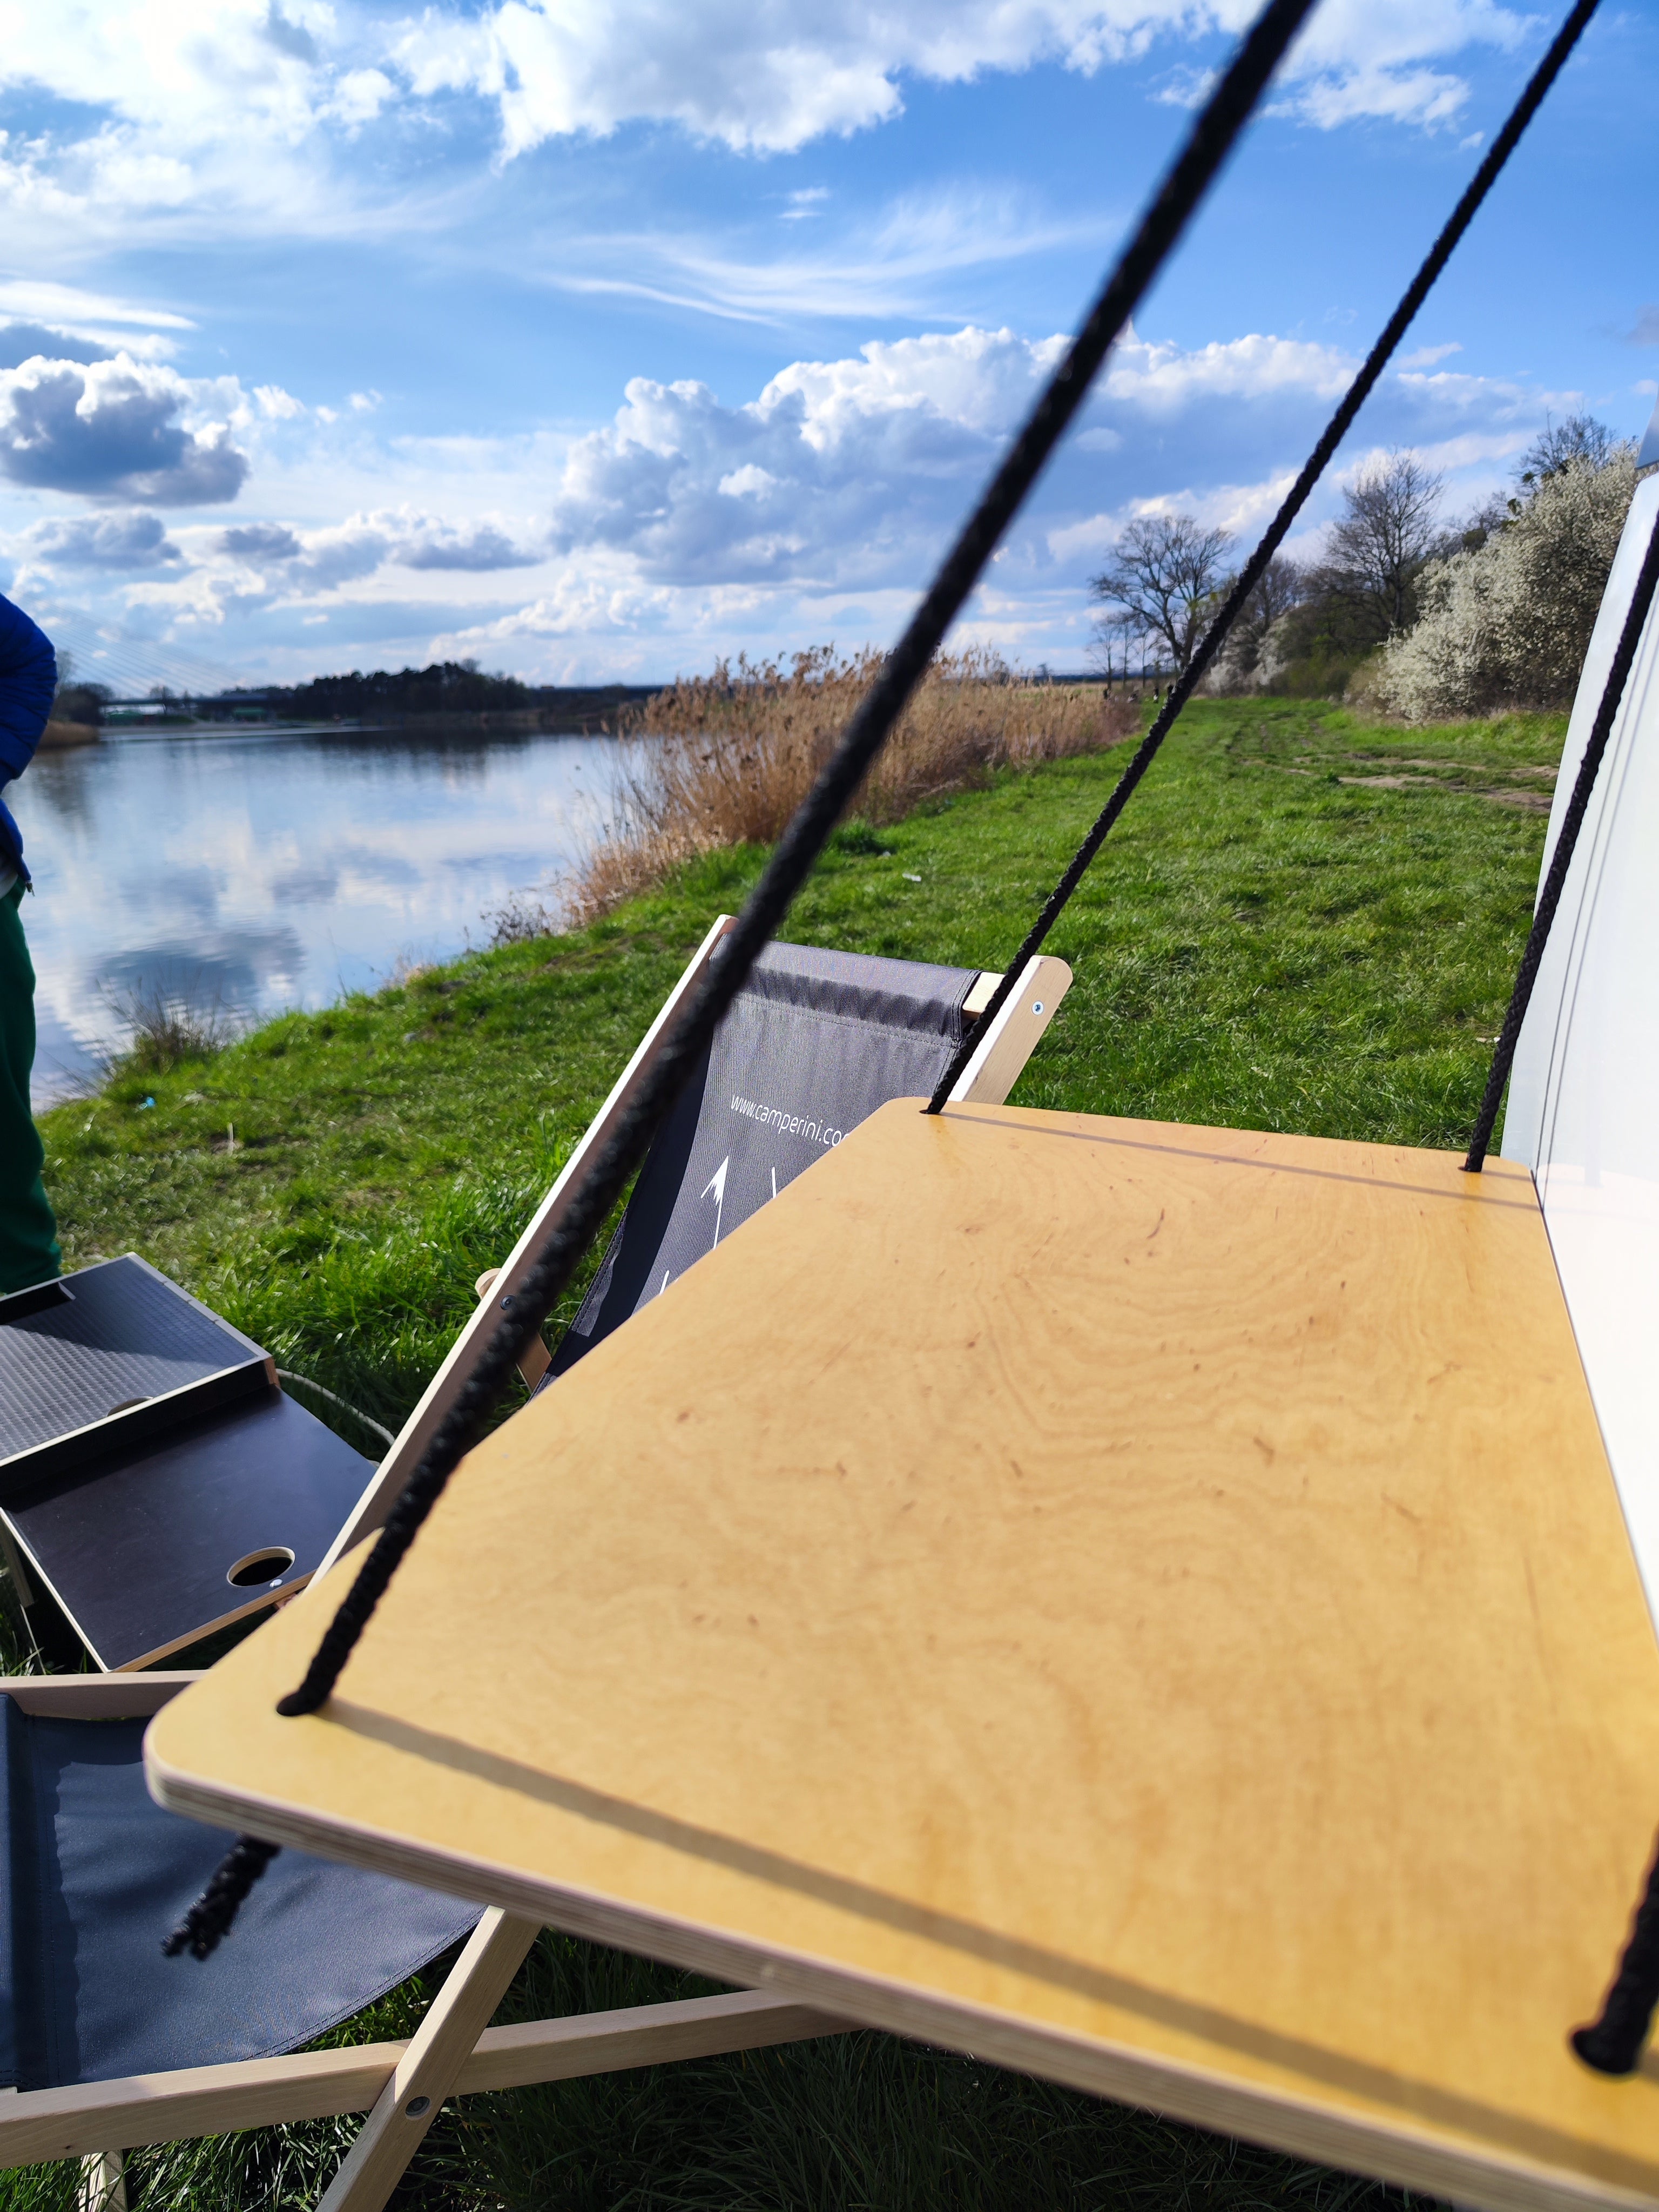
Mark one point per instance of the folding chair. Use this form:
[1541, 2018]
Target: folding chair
[105, 2044]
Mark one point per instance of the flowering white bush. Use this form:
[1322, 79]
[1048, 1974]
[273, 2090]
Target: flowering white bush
[1508, 624]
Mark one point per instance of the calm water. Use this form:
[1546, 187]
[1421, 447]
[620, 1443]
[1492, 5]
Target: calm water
[259, 870]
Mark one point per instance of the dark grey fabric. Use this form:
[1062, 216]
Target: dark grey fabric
[97, 1874]
[814, 1042]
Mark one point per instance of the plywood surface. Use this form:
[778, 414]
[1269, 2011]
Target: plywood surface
[1147, 1604]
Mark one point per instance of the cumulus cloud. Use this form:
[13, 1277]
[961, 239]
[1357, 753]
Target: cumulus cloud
[115, 428]
[322, 559]
[474, 545]
[259, 541]
[846, 471]
[770, 78]
[847, 476]
[123, 542]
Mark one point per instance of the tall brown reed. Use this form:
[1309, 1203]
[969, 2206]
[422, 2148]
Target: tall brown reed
[726, 759]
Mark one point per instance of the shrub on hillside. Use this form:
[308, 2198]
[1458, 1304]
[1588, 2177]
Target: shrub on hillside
[1508, 624]
[733, 753]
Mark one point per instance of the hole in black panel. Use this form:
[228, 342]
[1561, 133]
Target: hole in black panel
[40, 1298]
[125, 1407]
[259, 1568]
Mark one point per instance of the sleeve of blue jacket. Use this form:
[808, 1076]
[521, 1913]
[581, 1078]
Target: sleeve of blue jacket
[29, 680]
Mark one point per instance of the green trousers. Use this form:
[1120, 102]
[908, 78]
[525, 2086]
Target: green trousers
[29, 1233]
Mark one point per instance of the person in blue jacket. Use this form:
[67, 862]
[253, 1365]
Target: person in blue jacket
[28, 1234]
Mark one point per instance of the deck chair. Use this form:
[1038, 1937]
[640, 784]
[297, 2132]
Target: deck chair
[105, 2044]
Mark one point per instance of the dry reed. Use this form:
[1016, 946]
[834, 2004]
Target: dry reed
[726, 759]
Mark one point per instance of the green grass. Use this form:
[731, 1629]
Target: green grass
[1302, 923]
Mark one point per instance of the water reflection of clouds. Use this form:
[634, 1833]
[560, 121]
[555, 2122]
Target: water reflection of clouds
[254, 872]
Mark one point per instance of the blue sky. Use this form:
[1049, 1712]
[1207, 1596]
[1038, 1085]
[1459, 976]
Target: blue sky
[600, 338]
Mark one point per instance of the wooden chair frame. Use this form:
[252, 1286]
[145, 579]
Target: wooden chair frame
[401, 2087]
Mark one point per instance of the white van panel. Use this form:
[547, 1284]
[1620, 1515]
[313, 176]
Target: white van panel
[1583, 1109]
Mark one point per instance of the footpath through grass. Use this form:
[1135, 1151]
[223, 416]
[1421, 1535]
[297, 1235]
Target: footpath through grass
[1302, 923]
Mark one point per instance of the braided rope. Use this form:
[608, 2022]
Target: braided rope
[1335, 430]
[208, 1920]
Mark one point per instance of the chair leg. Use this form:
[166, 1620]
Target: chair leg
[409, 2103]
[103, 2184]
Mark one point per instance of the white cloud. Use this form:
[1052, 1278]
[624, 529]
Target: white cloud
[217, 114]
[846, 473]
[68, 304]
[1163, 378]
[123, 542]
[119, 429]
[271, 562]
[223, 115]
[771, 77]
[1356, 60]
[746, 482]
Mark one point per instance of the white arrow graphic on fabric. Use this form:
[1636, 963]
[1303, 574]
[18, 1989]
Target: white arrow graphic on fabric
[716, 1183]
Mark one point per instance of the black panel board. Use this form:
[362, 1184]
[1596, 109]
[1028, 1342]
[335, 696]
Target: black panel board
[137, 1546]
[113, 1345]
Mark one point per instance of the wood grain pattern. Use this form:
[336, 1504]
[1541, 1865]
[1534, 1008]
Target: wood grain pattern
[1145, 1604]
[39, 2125]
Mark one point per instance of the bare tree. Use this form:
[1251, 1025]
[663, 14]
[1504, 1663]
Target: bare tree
[1282, 585]
[1386, 537]
[1580, 440]
[1160, 583]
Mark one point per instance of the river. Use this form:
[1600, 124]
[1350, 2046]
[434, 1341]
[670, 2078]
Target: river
[251, 872]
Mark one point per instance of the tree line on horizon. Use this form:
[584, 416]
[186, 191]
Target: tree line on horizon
[445, 688]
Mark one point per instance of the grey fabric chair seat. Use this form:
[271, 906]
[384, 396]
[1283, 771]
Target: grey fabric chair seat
[813, 1043]
[95, 1876]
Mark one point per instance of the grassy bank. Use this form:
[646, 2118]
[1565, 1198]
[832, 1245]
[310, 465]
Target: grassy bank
[1303, 923]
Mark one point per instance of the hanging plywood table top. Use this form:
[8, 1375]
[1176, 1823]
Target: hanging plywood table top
[1147, 1605]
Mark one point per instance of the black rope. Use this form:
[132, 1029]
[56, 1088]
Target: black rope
[543, 1282]
[1335, 430]
[1549, 898]
[1613, 2043]
[209, 1919]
